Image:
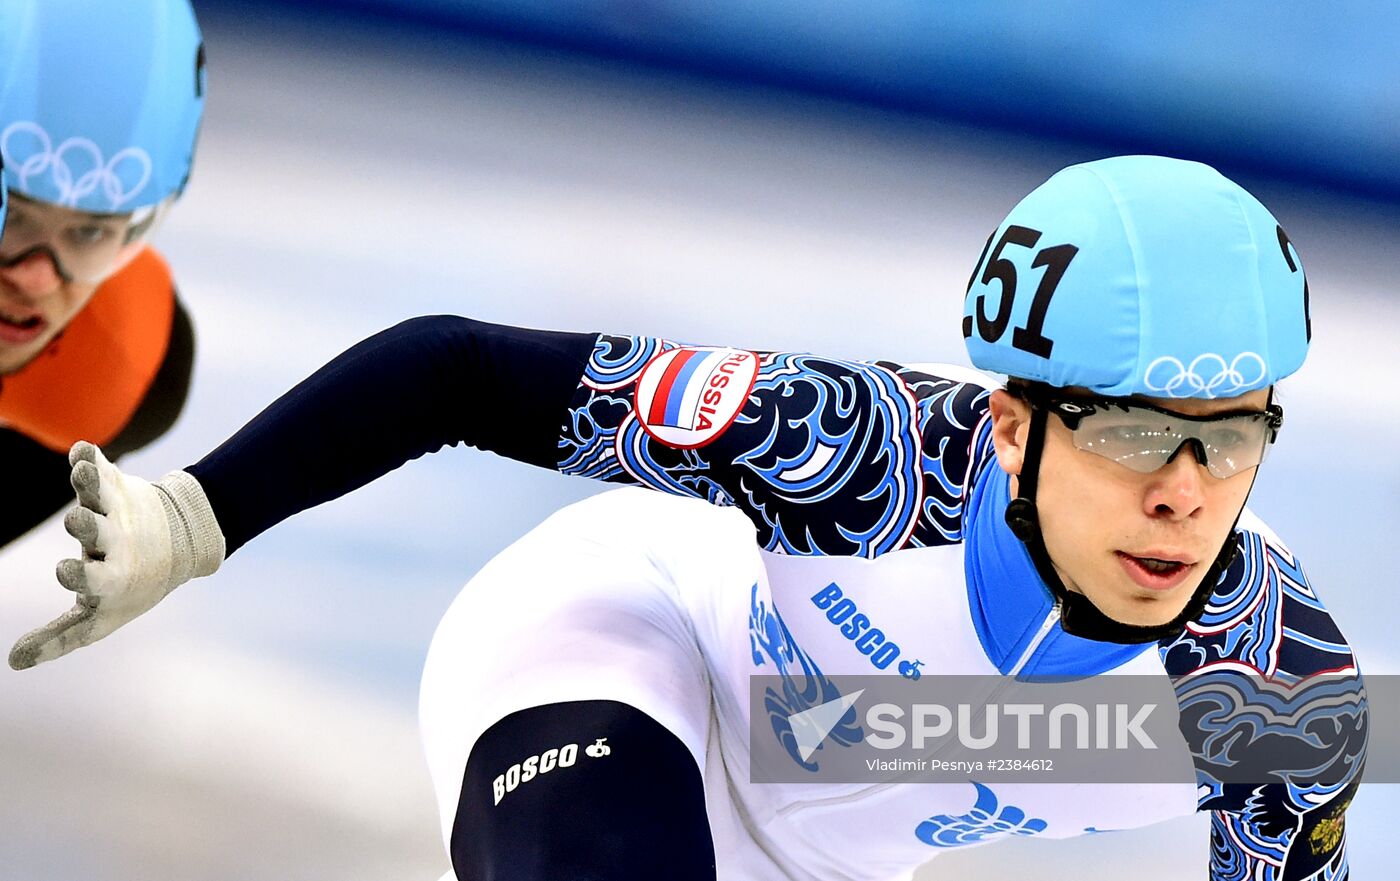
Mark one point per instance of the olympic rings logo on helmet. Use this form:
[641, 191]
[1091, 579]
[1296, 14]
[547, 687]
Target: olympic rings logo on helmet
[46, 158]
[1182, 381]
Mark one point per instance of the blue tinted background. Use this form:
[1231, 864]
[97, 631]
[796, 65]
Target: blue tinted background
[1304, 90]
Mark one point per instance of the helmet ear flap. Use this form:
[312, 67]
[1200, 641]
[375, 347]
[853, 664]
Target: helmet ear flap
[1021, 517]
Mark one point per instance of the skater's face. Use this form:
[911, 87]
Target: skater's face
[1136, 544]
[51, 261]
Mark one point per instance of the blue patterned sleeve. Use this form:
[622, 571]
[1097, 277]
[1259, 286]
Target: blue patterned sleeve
[827, 457]
[1274, 708]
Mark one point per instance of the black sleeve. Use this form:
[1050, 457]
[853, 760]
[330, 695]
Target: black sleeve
[36, 484]
[166, 397]
[407, 391]
[539, 803]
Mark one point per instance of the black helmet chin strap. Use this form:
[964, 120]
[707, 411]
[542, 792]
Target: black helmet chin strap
[1079, 616]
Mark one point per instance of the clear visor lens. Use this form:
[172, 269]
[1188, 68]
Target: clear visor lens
[1145, 440]
[84, 246]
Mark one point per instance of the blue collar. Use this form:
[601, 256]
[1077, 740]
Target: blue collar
[1010, 602]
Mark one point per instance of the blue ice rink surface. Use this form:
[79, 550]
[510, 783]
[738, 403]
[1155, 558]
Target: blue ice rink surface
[261, 724]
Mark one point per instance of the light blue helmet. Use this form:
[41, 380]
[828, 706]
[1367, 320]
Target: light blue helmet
[1139, 275]
[100, 102]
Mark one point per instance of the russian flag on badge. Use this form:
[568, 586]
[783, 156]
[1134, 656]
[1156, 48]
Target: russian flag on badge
[686, 397]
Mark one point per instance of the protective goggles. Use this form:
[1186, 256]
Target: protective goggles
[84, 246]
[1143, 438]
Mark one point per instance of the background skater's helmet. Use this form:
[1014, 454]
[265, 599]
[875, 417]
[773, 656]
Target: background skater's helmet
[1136, 275]
[101, 101]
[1139, 275]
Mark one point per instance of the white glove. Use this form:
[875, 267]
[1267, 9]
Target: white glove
[140, 541]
